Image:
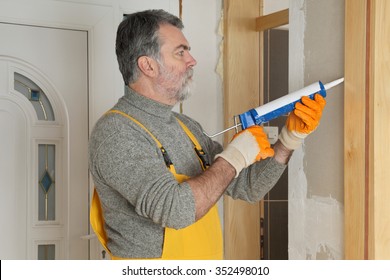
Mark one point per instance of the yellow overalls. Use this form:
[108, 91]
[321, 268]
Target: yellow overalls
[199, 241]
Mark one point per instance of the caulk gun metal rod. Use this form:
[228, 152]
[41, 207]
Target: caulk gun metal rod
[223, 131]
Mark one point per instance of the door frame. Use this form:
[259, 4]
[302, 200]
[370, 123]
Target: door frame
[98, 21]
[241, 74]
[366, 132]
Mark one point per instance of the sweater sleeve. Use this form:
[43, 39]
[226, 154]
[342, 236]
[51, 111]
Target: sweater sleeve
[256, 181]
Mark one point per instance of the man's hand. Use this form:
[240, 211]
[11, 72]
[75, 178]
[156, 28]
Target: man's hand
[247, 147]
[302, 121]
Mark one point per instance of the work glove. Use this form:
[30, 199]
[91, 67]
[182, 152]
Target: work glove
[248, 146]
[302, 121]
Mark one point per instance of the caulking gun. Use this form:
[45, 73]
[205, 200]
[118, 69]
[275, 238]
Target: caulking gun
[278, 107]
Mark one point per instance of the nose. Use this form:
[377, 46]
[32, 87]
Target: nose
[191, 61]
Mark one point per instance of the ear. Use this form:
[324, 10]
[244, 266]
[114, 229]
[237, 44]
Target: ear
[148, 66]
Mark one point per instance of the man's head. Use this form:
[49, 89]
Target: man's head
[137, 35]
[150, 43]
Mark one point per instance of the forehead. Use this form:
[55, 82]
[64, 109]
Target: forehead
[172, 37]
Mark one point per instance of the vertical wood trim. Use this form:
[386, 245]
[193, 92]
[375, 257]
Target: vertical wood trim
[368, 139]
[355, 119]
[368, 244]
[241, 93]
[367, 132]
[379, 238]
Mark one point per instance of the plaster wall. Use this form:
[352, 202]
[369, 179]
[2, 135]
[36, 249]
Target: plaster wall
[271, 6]
[316, 170]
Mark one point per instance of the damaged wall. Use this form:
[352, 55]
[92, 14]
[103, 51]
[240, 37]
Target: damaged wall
[316, 190]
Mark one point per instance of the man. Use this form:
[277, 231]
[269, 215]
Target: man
[157, 176]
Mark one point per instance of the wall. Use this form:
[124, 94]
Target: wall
[272, 6]
[201, 26]
[316, 170]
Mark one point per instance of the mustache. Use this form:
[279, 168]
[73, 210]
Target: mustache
[189, 73]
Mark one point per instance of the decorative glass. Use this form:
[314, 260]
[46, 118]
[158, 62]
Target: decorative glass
[46, 183]
[46, 252]
[35, 95]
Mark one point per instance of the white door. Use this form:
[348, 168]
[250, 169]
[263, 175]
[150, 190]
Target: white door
[43, 143]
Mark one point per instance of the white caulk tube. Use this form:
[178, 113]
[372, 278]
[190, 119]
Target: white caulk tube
[283, 105]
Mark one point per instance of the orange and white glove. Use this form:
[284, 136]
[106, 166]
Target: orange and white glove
[302, 121]
[247, 147]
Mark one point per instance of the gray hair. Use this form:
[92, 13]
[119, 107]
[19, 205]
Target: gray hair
[137, 35]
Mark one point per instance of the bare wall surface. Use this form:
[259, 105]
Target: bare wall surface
[316, 171]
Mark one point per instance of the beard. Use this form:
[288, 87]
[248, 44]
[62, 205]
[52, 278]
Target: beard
[176, 86]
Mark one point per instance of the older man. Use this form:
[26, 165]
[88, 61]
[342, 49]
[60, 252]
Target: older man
[157, 176]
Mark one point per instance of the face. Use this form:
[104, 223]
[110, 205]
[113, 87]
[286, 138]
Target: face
[176, 65]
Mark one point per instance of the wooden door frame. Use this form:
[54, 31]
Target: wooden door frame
[241, 75]
[367, 133]
[243, 26]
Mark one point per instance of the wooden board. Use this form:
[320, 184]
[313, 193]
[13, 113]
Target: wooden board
[241, 93]
[367, 130]
[379, 238]
[354, 142]
[272, 20]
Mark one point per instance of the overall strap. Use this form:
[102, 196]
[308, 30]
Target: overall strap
[164, 153]
[203, 159]
[202, 156]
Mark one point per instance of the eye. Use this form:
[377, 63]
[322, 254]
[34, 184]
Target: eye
[181, 53]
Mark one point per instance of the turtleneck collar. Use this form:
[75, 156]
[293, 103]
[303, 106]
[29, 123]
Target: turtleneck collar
[148, 105]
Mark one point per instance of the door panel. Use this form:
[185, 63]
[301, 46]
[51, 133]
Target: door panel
[13, 178]
[54, 61]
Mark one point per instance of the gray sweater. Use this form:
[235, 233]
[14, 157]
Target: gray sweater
[139, 195]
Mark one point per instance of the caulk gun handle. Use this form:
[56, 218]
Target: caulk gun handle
[322, 92]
